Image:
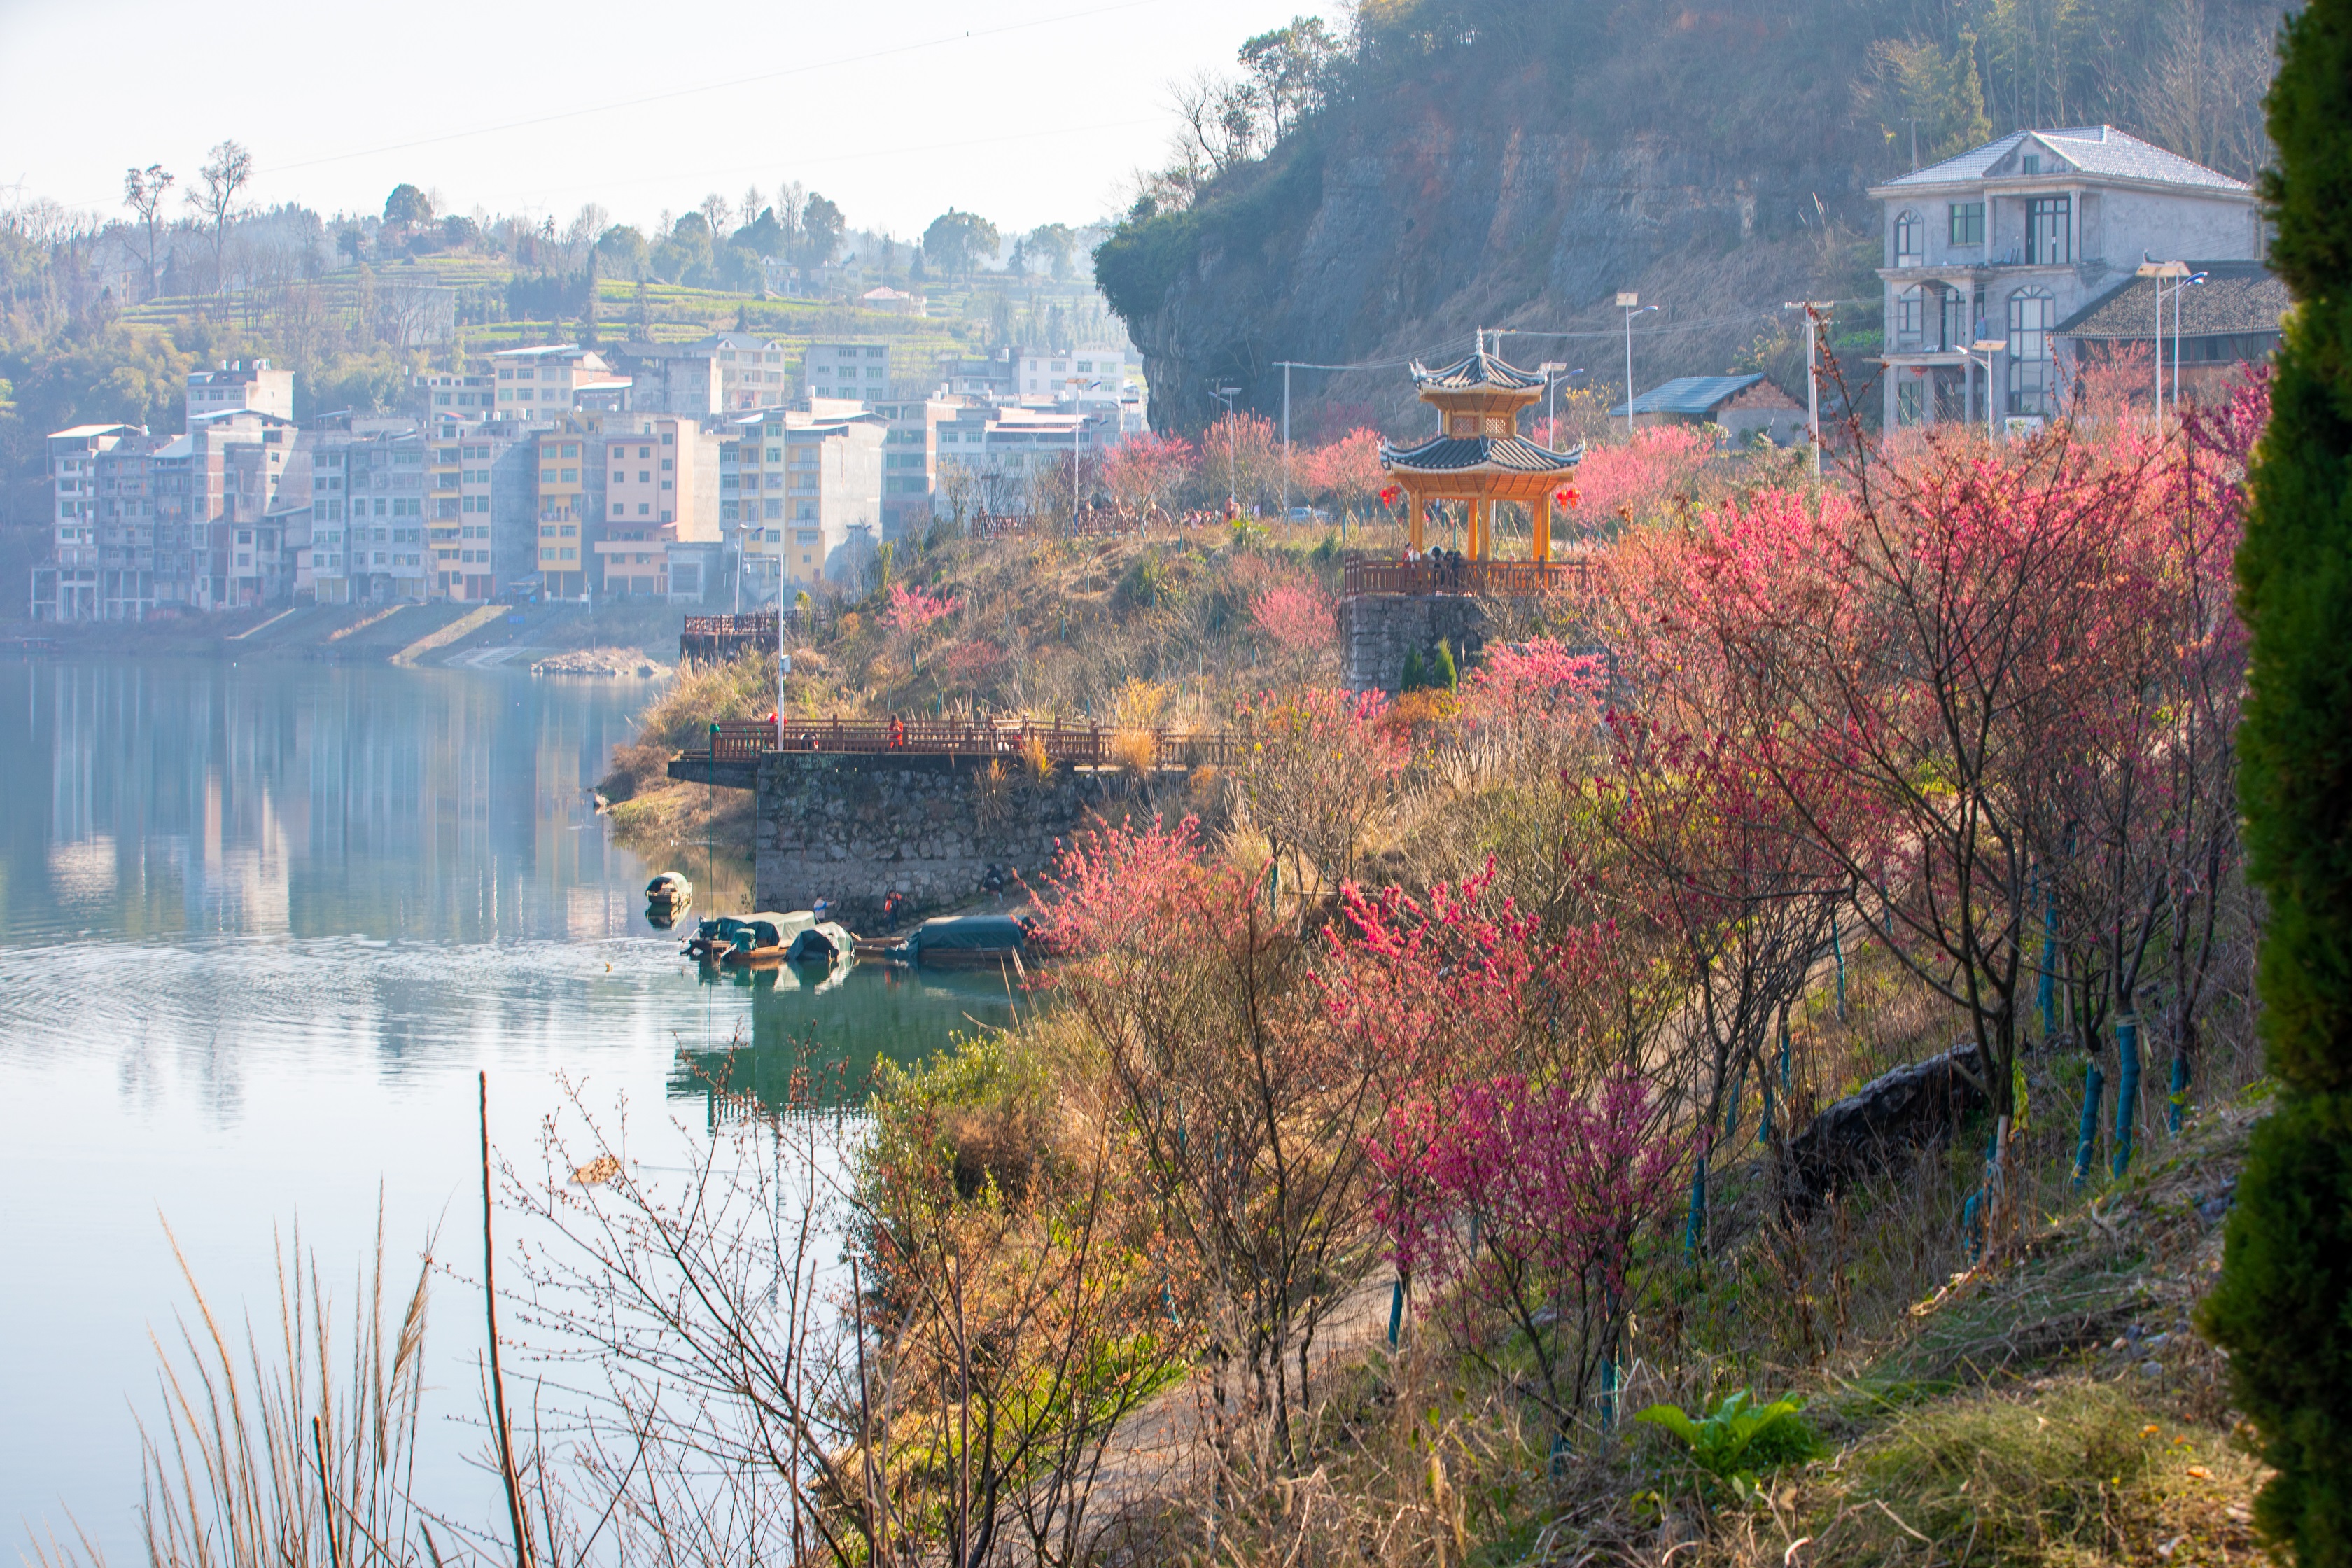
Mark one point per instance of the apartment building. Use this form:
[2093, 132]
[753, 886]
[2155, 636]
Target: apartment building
[1090, 375]
[910, 451]
[806, 502]
[240, 385]
[143, 523]
[258, 512]
[662, 483]
[2006, 241]
[859, 371]
[552, 380]
[995, 458]
[442, 394]
[569, 495]
[69, 587]
[724, 373]
[378, 530]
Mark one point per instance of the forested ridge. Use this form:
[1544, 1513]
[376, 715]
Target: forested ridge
[1362, 193]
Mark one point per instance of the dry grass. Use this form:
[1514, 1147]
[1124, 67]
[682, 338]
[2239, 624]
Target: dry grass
[294, 1449]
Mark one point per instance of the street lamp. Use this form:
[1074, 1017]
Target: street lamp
[1631, 305]
[2179, 294]
[1077, 440]
[1554, 371]
[1986, 347]
[2151, 266]
[1232, 473]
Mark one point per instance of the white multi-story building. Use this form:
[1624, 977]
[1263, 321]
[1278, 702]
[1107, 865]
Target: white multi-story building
[843, 370]
[1001, 459]
[551, 380]
[801, 495]
[2007, 241]
[726, 373]
[240, 385]
[68, 588]
[1089, 375]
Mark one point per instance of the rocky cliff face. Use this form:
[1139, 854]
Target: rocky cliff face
[1393, 228]
[1515, 163]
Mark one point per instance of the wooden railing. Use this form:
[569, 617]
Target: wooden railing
[715, 639]
[1518, 578]
[1076, 745]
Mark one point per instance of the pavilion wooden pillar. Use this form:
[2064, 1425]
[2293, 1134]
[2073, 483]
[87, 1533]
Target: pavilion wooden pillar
[1416, 511]
[1542, 509]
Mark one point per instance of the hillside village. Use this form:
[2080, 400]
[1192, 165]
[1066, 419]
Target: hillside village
[746, 467]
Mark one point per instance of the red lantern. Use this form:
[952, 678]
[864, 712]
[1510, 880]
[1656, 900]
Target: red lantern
[1388, 495]
[1567, 495]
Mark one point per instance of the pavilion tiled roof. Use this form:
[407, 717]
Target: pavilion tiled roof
[1482, 371]
[1461, 454]
[2235, 298]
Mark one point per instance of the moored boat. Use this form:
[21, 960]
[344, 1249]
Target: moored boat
[752, 941]
[961, 942]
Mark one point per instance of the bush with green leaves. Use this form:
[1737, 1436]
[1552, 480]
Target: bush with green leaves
[1737, 1439]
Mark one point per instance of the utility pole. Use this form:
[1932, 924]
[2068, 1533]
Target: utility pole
[1812, 310]
[1233, 479]
[1631, 303]
[1286, 448]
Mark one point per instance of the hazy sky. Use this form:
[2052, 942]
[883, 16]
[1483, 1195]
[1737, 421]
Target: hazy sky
[1026, 111]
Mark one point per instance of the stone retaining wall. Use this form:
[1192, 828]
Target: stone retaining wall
[852, 828]
[1378, 632]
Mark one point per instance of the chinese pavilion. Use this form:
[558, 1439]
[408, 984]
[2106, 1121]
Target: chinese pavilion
[1478, 457]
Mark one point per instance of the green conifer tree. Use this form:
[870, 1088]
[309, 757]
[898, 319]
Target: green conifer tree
[2283, 1307]
[1416, 674]
[1446, 677]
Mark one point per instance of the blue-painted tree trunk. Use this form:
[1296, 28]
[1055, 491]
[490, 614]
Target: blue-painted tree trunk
[1695, 1232]
[2179, 1090]
[2095, 1087]
[2126, 1089]
[2046, 987]
[1837, 952]
[1396, 1312]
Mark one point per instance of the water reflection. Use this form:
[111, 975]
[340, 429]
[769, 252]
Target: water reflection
[815, 1036]
[259, 926]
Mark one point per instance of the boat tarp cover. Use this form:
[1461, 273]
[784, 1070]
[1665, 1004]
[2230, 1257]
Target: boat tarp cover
[820, 943]
[969, 933]
[772, 930]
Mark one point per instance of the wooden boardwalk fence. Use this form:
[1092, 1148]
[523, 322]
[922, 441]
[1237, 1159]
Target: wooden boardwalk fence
[1523, 579]
[1076, 745]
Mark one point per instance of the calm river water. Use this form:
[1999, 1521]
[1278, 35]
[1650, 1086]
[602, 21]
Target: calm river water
[261, 925]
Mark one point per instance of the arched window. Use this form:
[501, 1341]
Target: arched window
[2033, 312]
[1910, 239]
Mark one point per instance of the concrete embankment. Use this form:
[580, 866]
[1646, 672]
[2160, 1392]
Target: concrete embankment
[437, 635]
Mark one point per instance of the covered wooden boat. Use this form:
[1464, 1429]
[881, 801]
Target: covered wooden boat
[966, 941]
[748, 941]
[827, 942]
[669, 888]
